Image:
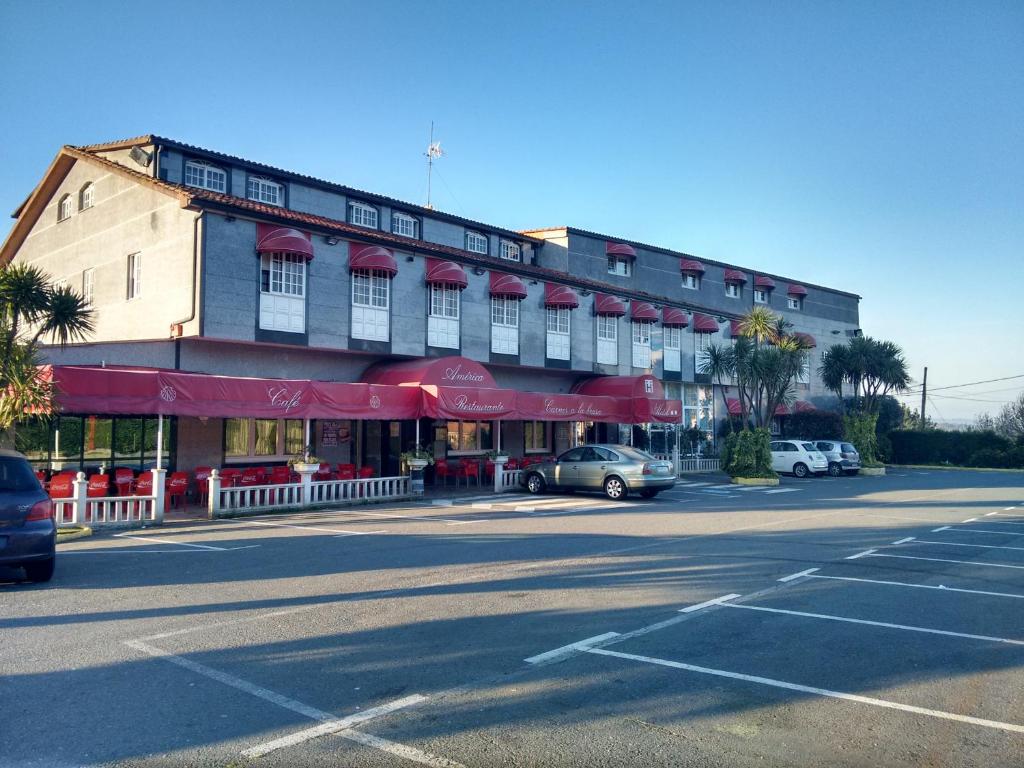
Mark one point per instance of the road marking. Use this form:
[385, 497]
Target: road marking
[331, 726]
[523, 509]
[885, 624]
[939, 587]
[808, 689]
[982, 530]
[359, 533]
[441, 503]
[304, 527]
[783, 490]
[798, 575]
[1005, 509]
[567, 650]
[903, 541]
[465, 522]
[943, 528]
[1006, 522]
[707, 603]
[166, 541]
[481, 505]
[957, 544]
[969, 520]
[989, 514]
[400, 750]
[961, 562]
[400, 517]
[860, 554]
[139, 551]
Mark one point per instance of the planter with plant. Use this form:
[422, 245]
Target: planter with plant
[417, 457]
[305, 462]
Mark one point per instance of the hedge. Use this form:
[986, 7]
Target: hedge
[816, 425]
[937, 446]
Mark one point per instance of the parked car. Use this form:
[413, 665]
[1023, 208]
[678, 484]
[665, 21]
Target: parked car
[798, 457]
[28, 533]
[615, 469]
[842, 457]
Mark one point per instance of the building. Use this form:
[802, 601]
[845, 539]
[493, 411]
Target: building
[199, 261]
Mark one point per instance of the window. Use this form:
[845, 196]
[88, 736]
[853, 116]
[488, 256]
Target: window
[362, 215]
[199, 173]
[732, 290]
[283, 292]
[443, 321]
[760, 296]
[88, 286]
[510, 251]
[134, 275]
[794, 303]
[641, 345]
[371, 291]
[698, 410]
[536, 436]
[504, 325]
[691, 281]
[405, 225]
[85, 197]
[64, 208]
[558, 333]
[469, 436]
[702, 341]
[803, 376]
[673, 349]
[618, 266]
[607, 340]
[264, 190]
[476, 243]
[273, 439]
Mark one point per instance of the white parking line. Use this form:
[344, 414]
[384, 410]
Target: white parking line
[977, 530]
[399, 750]
[1006, 522]
[969, 520]
[943, 528]
[860, 554]
[783, 490]
[570, 649]
[939, 587]
[305, 528]
[797, 575]
[903, 541]
[707, 603]
[957, 544]
[167, 541]
[961, 562]
[885, 624]
[809, 689]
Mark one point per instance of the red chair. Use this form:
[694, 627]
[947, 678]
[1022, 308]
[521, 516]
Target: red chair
[251, 476]
[442, 472]
[366, 472]
[177, 486]
[230, 477]
[324, 473]
[281, 475]
[61, 486]
[41, 477]
[469, 469]
[98, 487]
[202, 478]
[346, 471]
[143, 487]
[489, 469]
[515, 463]
[124, 479]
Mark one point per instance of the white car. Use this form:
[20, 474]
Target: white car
[798, 457]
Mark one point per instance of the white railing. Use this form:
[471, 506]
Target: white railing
[124, 511]
[366, 489]
[260, 497]
[506, 479]
[698, 464]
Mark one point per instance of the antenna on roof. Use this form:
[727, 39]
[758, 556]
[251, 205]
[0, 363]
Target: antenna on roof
[433, 151]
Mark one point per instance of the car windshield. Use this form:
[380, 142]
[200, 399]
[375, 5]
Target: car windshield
[16, 475]
[634, 453]
[809, 447]
[848, 448]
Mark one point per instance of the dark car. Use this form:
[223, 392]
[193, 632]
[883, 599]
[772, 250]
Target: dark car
[28, 533]
[842, 457]
[615, 469]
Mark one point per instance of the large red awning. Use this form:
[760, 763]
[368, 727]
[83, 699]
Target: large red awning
[641, 398]
[506, 285]
[619, 249]
[608, 305]
[642, 312]
[452, 371]
[764, 282]
[806, 339]
[733, 406]
[644, 385]
[445, 273]
[673, 317]
[560, 296]
[271, 239]
[690, 265]
[796, 290]
[734, 328]
[704, 323]
[735, 276]
[371, 257]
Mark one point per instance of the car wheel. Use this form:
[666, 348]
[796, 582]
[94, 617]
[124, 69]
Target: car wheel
[649, 493]
[835, 469]
[800, 469]
[614, 488]
[41, 571]
[535, 483]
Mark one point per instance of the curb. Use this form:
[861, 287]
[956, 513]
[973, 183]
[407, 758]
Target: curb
[755, 481]
[952, 468]
[78, 532]
[872, 471]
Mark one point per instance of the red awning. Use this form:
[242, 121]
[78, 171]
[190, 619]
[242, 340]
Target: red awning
[802, 406]
[644, 385]
[735, 276]
[807, 340]
[509, 286]
[673, 317]
[796, 290]
[371, 257]
[764, 282]
[734, 328]
[469, 403]
[271, 239]
[733, 406]
[642, 312]
[560, 296]
[782, 410]
[690, 265]
[546, 406]
[453, 371]
[704, 323]
[620, 249]
[608, 305]
[445, 273]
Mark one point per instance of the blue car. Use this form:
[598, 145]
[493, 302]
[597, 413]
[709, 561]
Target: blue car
[28, 534]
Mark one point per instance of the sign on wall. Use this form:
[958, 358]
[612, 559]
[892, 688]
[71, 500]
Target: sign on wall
[335, 433]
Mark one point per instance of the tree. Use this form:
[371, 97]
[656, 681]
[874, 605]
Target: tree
[33, 312]
[1010, 421]
[874, 369]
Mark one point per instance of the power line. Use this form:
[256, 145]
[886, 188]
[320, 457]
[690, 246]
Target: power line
[970, 384]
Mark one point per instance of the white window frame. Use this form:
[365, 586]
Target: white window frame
[371, 303]
[405, 225]
[803, 375]
[86, 197]
[558, 345]
[265, 190]
[531, 430]
[283, 294]
[134, 286]
[794, 302]
[673, 348]
[641, 333]
[619, 265]
[701, 342]
[510, 251]
[691, 281]
[89, 286]
[281, 452]
[607, 340]
[476, 242]
[504, 325]
[205, 175]
[363, 214]
[479, 444]
[64, 208]
[760, 296]
[443, 316]
[732, 290]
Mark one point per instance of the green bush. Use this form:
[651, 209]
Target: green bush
[748, 454]
[1015, 457]
[938, 446]
[987, 457]
[860, 430]
[817, 425]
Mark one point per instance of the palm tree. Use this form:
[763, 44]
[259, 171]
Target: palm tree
[760, 324]
[872, 368]
[834, 367]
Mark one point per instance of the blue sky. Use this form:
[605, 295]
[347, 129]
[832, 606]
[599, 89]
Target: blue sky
[873, 147]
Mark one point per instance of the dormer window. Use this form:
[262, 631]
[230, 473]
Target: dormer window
[199, 173]
[691, 280]
[476, 243]
[511, 251]
[64, 208]
[405, 225]
[760, 296]
[732, 290]
[362, 215]
[619, 265]
[264, 190]
[794, 302]
[85, 197]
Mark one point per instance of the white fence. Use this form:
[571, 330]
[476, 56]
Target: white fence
[506, 479]
[123, 511]
[698, 464]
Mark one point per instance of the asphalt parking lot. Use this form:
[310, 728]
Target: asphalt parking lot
[832, 621]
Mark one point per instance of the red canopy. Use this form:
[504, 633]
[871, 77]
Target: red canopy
[802, 406]
[734, 328]
[371, 257]
[806, 339]
[608, 305]
[735, 276]
[619, 249]
[642, 312]
[673, 317]
[271, 239]
[690, 265]
[644, 385]
[764, 282]
[445, 273]
[734, 407]
[560, 296]
[452, 371]
[509, 286]
[469, 403]
[558, 407]
[704, 323]
[796, 290]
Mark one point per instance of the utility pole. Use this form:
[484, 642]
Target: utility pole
[924, 394]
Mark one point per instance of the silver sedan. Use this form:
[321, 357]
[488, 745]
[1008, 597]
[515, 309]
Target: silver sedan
[615, 469]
